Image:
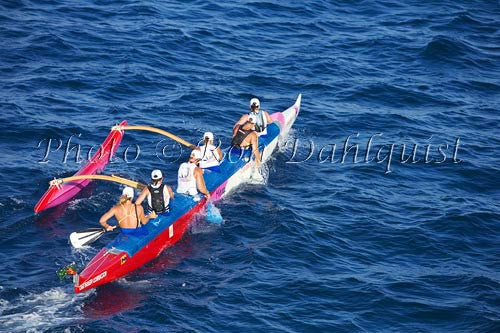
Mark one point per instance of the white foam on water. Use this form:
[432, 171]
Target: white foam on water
[97, 201]
[75, 204]
[37, 312]
[4, 305]
[84, 253]
[137, 285]
[285, 144]
[259, 176]
[17, 201]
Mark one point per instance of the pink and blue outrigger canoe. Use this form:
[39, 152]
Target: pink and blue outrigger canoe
[127, 252]
[56, 195]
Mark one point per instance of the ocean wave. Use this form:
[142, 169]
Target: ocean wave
[458, 52]
[393, 95]
[442, 47]
[466, 21]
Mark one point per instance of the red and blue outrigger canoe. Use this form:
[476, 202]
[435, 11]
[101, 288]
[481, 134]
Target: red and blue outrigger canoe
[128, 252]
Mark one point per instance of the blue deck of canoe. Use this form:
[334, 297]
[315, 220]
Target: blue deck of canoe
[233, 161]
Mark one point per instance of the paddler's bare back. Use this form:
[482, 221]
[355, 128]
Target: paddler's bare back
[126, 215]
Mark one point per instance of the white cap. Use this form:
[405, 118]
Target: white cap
[197, 154]
[208, 135]
[156, 174]
[252, 118]
[128, 192]
[254, 101]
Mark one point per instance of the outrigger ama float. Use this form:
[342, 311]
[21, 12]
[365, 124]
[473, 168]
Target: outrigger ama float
[126, 253]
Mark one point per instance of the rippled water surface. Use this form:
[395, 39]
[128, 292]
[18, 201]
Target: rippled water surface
[379, 214]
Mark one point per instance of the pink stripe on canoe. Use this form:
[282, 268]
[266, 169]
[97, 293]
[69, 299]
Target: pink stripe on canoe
[278, 116]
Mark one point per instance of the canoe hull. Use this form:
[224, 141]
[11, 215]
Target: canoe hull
[109, 264]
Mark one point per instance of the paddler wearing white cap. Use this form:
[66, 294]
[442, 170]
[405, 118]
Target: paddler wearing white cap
[158, 194]
[262, 118]
[190, 177]
[246, 137]
[211, 155]
[129, 215]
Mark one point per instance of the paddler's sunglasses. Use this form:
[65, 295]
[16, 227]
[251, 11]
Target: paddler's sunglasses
[255, 106]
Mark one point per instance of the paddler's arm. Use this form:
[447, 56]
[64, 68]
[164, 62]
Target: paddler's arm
[242, 120]
[268, 117]
[104, 219]
[219, 151]
[142, 196]
[170, 192]
[145, 218]
[200, 182]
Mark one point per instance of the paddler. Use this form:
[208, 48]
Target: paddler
[130, 216]
[246, 137]
[190, 177]
[211, 155]
[263, 118]
[158, 194]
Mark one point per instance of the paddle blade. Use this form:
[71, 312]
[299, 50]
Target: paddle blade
[213, 214]
[81, 238]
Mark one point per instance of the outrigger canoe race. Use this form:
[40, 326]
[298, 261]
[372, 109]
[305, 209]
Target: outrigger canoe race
[376, 210]
[128, 252]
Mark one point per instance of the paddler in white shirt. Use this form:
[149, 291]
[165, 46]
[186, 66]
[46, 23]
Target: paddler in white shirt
[158, 194]
[130, 216]
[190, 177]
[211, 155]
[263, 118]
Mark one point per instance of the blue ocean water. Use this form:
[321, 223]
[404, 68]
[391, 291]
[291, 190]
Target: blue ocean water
[349, 232]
